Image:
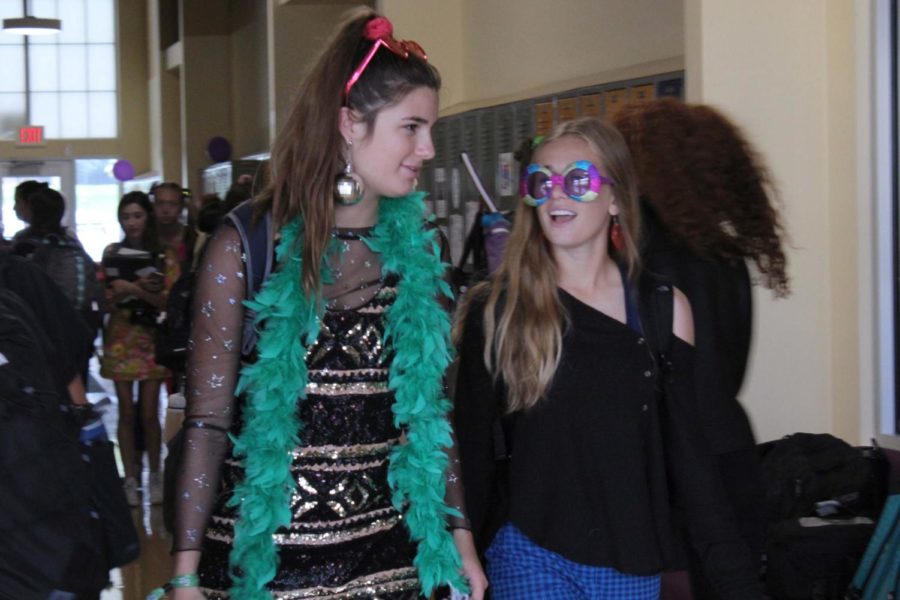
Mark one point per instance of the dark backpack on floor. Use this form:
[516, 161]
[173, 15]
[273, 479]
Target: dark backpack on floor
[814, 558]
[809, 474]
[822, 497]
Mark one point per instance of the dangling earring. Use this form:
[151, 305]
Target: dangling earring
[616, 237]
[348, 186]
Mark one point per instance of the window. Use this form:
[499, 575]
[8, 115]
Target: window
[66, 82]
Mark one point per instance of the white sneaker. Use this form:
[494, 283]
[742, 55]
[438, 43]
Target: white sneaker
[131, 491]
[156, 488]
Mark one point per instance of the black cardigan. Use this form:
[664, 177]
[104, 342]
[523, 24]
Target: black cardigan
[721, 301]
[601, 465]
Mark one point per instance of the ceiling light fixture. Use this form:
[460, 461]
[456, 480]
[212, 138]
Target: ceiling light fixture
[32, 26]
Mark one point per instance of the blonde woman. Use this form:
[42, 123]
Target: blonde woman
[564, 391]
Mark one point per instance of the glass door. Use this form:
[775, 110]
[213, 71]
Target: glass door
[91, 191]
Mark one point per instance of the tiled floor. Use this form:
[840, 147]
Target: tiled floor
[152, 568]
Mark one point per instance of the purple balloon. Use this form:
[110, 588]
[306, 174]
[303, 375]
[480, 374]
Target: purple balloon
[123, 170]
[218, 149]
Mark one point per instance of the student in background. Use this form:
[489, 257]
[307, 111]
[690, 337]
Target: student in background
[128, 350]
[558, 378]
[54, 248]
[20, 206]
[710, 208]
[169, 200]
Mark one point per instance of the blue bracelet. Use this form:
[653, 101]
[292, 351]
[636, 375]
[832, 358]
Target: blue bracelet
[179, 581]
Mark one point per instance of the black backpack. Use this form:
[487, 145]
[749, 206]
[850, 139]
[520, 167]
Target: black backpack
[47, 539]
[172, 334]
[68, 264]
[174, 331]
[809, 474]
[822, 496]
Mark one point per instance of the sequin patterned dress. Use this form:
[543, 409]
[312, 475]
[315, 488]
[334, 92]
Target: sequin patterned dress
[345, 539]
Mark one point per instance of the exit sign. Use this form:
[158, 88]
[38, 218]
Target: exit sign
[31, 135]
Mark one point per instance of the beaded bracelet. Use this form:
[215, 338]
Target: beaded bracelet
[179, 581]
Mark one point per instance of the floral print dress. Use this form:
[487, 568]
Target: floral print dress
[128, 348]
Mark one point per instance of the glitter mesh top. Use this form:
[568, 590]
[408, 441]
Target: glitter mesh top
[355, 365]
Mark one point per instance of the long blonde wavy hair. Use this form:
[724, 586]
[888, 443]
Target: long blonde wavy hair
[523, 316]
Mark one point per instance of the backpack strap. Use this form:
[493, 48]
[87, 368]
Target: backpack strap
[656, 306]
[257, 239]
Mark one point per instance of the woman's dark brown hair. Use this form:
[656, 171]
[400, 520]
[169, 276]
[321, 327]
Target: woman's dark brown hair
[708, 186]
[308, 152]
[47, 209]
[149, 239]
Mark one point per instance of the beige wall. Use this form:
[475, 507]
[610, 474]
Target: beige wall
[249, 77]
[504, 50]
[300, 31]
[438, 27]
[786, 72]
[844, 219]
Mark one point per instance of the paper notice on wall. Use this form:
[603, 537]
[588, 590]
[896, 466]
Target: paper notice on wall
[440, 183]
[457, 237]
[506, 174]
[440, 208]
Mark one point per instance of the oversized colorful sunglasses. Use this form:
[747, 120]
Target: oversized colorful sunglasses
[580, 181]
[402, 48]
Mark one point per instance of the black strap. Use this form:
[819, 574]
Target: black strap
[656, 304]
[257, 239]
[474, 246]
[632, 317]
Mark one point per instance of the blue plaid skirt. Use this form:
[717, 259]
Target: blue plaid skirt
[519, 569]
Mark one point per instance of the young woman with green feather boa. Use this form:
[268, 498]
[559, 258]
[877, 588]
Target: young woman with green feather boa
[320, 468]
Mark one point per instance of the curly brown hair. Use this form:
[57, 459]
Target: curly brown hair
[707, 184]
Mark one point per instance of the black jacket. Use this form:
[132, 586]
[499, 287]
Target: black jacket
[599, 469]
[721, 302]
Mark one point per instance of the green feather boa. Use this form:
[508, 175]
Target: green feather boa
[417, 333]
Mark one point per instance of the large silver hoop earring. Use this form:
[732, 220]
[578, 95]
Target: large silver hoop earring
[348, 186]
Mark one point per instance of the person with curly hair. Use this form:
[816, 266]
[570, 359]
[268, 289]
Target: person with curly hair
[710, 207]
[574, 466]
